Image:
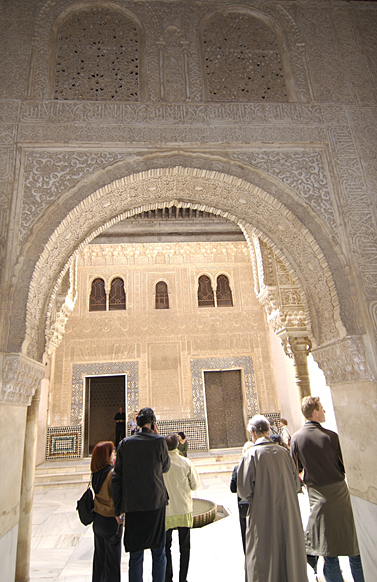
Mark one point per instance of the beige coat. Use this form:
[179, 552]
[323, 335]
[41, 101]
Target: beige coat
[180, 480]
[275, 548]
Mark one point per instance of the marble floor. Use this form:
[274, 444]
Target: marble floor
[62, 548]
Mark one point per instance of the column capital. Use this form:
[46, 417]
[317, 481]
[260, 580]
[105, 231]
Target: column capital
[19, 378]
[297, 347]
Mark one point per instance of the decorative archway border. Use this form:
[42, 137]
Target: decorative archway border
[211, 191]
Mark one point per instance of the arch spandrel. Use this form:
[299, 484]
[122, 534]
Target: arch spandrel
[244, 203]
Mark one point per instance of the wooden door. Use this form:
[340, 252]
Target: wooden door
[226, 426]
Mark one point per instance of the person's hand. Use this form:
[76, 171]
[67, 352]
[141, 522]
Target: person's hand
[155, 428]
[119, 518]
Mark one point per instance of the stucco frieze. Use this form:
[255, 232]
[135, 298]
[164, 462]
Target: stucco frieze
[344, 361]
[127, 135]
[177, 113]
[19, 378]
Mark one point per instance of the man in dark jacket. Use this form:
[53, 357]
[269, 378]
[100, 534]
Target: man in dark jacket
[331, 530]
[139, 492]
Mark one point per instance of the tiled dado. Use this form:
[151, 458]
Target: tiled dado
[66, 442]
[63, 442]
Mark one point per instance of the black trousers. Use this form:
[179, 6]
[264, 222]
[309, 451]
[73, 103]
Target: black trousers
[107, 556]
[184, 549]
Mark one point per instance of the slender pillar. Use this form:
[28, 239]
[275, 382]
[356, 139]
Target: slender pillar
[27, 490]
[298, 348]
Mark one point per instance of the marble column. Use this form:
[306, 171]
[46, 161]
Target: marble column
[27, 490]
[298, 348]
[20, 377]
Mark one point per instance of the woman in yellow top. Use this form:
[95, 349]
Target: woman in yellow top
[107, 528]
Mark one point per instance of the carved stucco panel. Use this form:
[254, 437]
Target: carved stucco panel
[324, 56]
[344, 361]
[19, 378]
[351, 29]
[48, 174]
[304, 172]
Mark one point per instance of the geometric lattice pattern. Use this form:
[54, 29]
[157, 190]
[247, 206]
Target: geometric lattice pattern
[244, 363]
[79, 371]
[195, 431]
[242, 60]
[97, 57]
[63, 442]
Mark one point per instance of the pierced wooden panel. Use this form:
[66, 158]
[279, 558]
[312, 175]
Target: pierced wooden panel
[97, 300]
[117, 297]
[206, 296]
[223, 292]
[162, 296]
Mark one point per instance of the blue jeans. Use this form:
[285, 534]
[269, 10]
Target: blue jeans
[333, 573]
[135, 566]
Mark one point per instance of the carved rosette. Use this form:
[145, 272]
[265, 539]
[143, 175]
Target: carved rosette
[344, 361]
[20, 377]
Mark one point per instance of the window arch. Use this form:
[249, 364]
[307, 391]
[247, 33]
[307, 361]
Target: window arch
[242, 60]
[97, 300]
[97, 56]
[223, 292]
[162, 296]
[117, 297]
[206, 296]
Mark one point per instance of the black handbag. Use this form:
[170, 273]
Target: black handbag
[85, 507]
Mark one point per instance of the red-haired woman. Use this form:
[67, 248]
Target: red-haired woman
[107, 528]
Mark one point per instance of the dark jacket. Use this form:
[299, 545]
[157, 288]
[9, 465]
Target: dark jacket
[137, 482]
[317, 450]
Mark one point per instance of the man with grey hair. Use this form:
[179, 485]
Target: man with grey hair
[268, 480]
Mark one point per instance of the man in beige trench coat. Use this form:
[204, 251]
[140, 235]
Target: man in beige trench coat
[268, 480]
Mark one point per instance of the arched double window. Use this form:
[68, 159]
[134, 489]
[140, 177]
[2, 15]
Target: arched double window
[117, 297]
[206, 296]
[223, 292]
[162, 296]
[97, 300]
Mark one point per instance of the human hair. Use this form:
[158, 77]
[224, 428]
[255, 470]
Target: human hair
[145, 416]
[172, 441]
[182, 435]
[259, 424]
[101, 456]
[284, 421]
[308, 405]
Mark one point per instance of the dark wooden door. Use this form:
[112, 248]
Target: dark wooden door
[226, 426]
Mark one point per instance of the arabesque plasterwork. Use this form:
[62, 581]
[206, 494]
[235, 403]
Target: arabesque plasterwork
[20, 376]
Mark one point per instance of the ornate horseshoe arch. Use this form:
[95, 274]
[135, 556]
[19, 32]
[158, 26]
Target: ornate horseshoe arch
[258, 213]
